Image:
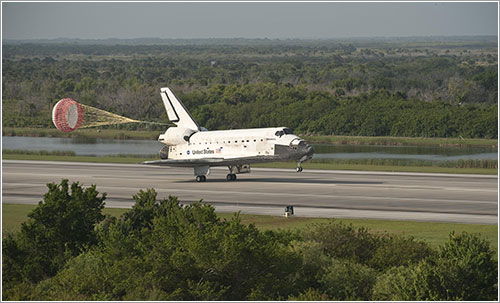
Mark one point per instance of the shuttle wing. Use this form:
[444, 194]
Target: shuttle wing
[187, 162]
[176, 111]
[208, 161]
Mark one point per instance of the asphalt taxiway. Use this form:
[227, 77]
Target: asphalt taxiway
[313, 193]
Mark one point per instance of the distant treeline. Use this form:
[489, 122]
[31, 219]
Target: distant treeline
[321, 87]
[447, 41]
[161, 250]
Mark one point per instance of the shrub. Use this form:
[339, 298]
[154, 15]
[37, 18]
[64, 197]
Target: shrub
[396, 284]
[343, 241]
[314, 263]
[310, 294]
[160, 250]
[346, 280]
[395, 251]
[464, 269]
[59, 228]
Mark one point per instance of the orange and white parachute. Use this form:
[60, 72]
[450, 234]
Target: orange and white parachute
[67, 115]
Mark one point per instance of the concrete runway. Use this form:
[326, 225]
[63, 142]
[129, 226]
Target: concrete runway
[314, 193]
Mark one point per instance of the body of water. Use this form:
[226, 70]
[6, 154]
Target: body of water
[100, 147]
[84, 146]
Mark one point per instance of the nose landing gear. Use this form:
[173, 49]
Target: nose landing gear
[299, 167]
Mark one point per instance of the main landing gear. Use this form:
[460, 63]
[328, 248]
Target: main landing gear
[201, 172]
[201, 178]
[231, 177]
[299, 168]
[237, 169]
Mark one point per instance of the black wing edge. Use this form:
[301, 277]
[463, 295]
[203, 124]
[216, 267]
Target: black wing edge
[211, 161]
[186, 163]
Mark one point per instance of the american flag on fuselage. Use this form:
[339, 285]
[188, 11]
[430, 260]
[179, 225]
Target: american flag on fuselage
[218, 150]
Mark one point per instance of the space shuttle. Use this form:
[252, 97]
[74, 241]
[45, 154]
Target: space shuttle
[189, 145]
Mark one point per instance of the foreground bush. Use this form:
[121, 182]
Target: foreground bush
[346, 280]
[60, 228]
[162, 250]
[381, 252]
[343, 241]
[464, 269]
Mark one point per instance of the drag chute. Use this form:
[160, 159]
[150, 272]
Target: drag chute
[67, 115]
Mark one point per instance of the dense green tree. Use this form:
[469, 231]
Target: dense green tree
[342, 241]
[464, 269]
[347, 280]
[395, 251]
[179, 253]
[59, 228]
[309, 295]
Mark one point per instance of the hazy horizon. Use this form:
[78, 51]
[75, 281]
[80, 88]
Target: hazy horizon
[291, 20]
[271, 39]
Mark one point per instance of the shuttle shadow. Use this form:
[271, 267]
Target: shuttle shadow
[282, 180]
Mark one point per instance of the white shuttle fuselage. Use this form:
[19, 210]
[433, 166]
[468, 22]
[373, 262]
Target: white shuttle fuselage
[189, 145]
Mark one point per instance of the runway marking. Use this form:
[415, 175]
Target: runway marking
[308, 183]
[416, 187]
[332, 196]
[129, 202]
[284, 170]
[463, 198]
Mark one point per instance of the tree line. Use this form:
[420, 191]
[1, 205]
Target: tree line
[429, 85]
[378, 113]
[163, 250]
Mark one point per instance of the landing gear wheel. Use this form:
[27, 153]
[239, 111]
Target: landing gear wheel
[231, 177]
[201, 178]
[234, 177]
[299, 169]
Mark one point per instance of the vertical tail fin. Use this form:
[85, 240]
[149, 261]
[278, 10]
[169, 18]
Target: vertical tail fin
[176, 111]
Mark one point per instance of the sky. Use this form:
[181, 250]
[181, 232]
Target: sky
[123, 20]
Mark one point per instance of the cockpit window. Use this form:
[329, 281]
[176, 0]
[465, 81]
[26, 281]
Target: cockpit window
[285, 131]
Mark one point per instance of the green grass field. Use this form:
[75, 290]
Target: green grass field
[357, 140]
[104, 159]
[434, 233]
[120, 134]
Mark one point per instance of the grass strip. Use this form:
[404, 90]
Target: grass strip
[120, 134]
[124, 159]
[91, 159]
[404, 141]
[15, 214]
[434, 233]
